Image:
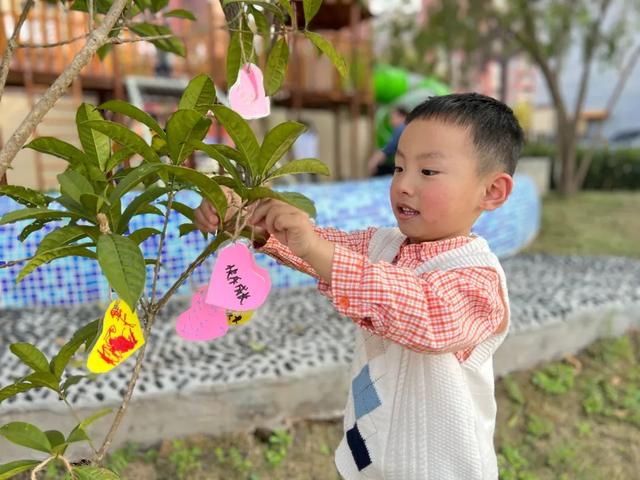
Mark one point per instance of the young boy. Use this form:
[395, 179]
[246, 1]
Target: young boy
[429, 297]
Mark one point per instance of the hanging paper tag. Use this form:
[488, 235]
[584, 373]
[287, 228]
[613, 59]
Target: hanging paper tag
[237, 282]
[202, 322]
[238, 318]
[120, 336]
[247, 96]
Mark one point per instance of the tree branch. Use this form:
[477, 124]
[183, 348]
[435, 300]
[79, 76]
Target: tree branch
[583, 168]
[11, 46]
[590, 45]
[98, 38]
[118, 41]
[51, 45]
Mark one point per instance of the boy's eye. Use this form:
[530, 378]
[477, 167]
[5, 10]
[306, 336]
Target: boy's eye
[397, 169]
[428, 173]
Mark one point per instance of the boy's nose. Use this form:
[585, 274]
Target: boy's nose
[405, 185]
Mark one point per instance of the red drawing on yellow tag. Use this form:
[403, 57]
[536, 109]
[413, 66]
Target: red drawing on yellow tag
[120, 336]
[238, 318]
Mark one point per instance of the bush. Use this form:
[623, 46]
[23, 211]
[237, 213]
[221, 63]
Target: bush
[609, 170]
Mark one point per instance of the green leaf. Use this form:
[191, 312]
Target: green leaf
[95, 143]
[234, 57]
[86, 472]
[215, 152]
[122, 263]
[133, 179]
[79, 434]
[286, 5]
[150, 209]
[54, 253]
[72, 380]
[199, 95]
[182, 209]
[157, 5]
[85, 334]
[31, 228]
[276, 66]
[145, 198]
[183, 127]
[186, 228]
[36, 214]
[104, 51]
[310, 8]
[74, 184]
[9, 470]
[92, 203]
[52, 146]
[25, 196]
[30, 356]
[60, 237]
[181, 13]
[125, 137]
[233, 154]
[26, 435]
[262, 24]
[160, 146]
[57, 441]
[74, 207]
[264, 4]
[207, 188]
[44, 379]
[292, 198]
[142, 234]
[305, 165]
[327, 48]
[172, 45]
[14, 389]
[118, 157]
[277, 142]
[242, 135]
[236, 185]
[131, 111]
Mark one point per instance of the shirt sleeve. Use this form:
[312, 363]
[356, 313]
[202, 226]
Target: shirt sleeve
[436, 312]
[357, 242]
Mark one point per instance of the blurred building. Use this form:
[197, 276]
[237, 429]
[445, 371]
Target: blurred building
[340, 110]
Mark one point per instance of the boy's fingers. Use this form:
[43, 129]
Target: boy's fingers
[203, 223]
[286, 221]
[209, 212]
[260, 212]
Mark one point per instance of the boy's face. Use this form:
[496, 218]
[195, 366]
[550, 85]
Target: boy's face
[436, 191]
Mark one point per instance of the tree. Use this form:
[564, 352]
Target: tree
[546, 30]
[94, 221]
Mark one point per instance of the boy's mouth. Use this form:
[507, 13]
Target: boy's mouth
[406, 212]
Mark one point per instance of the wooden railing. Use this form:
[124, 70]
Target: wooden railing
[206, 44]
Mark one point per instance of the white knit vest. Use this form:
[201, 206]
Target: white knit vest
[421, 416]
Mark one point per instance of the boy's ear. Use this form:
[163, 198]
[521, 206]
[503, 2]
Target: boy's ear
[497, 190]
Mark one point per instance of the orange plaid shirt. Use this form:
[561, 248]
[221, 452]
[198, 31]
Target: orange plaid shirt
[434, 312]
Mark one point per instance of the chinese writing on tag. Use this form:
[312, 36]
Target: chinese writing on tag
[241, 291]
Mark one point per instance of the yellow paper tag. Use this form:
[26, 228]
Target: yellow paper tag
[238, 318]
[121, 335]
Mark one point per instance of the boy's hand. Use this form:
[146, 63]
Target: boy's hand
[206, 216]
[290, 225]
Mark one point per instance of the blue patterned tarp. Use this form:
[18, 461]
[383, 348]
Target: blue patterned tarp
[346, 205]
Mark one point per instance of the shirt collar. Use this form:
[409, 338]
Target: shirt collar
[427, 250]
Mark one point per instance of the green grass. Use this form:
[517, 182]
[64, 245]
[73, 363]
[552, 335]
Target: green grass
[590, 223]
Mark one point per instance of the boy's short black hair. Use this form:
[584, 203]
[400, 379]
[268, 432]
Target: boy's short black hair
[495, 131]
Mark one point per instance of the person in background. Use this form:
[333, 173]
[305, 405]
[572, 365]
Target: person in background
[382, 161]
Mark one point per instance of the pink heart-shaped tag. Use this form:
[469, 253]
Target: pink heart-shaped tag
[247, 96]
[202, 322]
[237, 282]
